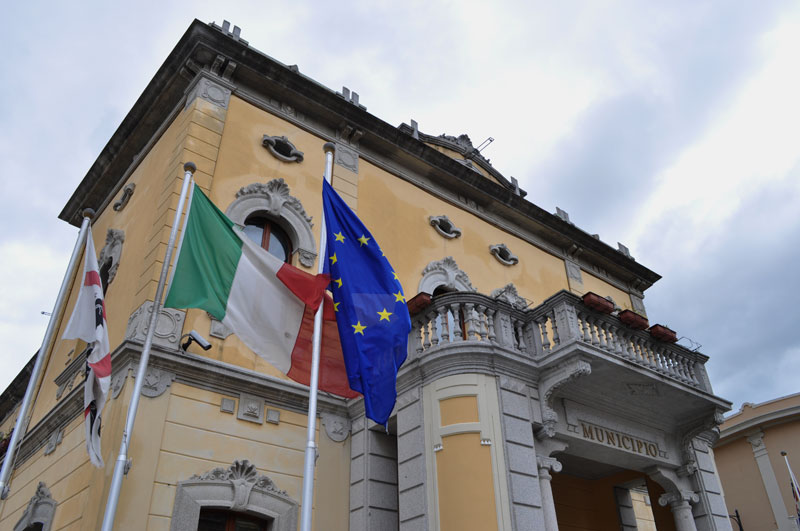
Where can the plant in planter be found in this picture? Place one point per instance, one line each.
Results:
(633, 319)
(598, 303)
(662, 333)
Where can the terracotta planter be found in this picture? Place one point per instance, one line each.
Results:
(633, 320)
(418, 302)
(662, 333)
(596, 302)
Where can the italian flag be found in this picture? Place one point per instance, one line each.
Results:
(269, 304)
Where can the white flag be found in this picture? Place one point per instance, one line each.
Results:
(88, 322)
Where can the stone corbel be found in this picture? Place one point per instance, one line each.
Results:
(706, 429)
(553, 379)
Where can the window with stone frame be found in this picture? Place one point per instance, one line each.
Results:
(269, 235)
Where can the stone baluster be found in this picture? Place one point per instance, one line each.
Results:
(416, 331)
(470, 330)
(680, 504)
(545, 466)
(593, 330)
(456, 309)
(602, 332)
(490, 313)
(436, 329)
(615, 346)
(542, 322)
(520, 335)
(445, 328)
(554, 326)
(587, 336)
(426, 339)
(483, 332)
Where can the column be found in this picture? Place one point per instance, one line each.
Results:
(546, 465)
(756, 440)
(680, 505)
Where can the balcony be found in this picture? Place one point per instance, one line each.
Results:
(541, 337)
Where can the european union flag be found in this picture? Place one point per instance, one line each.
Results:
(371, 311)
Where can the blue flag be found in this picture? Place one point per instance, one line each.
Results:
(371, 311)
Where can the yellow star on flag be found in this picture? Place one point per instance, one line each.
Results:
(398, 297)
(359, 328)
(338, 282)
(363, 239)
(395, 275)
(333, 259)
(339, 236)
(335, 306)
(384, 315)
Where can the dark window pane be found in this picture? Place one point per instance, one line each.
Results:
(254, 232)
(212, 520)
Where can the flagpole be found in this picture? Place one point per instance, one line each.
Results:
(795, 488)
(122, 464)
(311, 444)
(22, 417)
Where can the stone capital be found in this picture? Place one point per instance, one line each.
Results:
(678, 498)
(547, 465)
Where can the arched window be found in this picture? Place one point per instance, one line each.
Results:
(221, 520)
(269, 235)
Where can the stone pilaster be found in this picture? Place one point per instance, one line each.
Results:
(779, 512)
(411, 472)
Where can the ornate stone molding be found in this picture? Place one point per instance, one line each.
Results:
(551, 380)
(508, 293)
(503, 254)
(251, 408)
(444, 227)
(548, 464)
(282, 149)
(53, 441)
(239, 488)
(127, 193)
(40, 510)
(211, 90)
(111, 253)
(156, 382)
(274, 198)
(346, 157)
(444, 272)
(336, 427)
(168, 327)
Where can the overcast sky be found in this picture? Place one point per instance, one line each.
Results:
(671, 127)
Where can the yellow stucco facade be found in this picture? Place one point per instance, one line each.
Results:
(481, 416)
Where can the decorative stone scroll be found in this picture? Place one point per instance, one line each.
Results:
(111, 253)
(508, 293)
(239, 488)
(444, 227)
(504, 254)
(444, 272)
(550, 382)
(282, 149)
(127, 193)
(40, 510)
(274, 199)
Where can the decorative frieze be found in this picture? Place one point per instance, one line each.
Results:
(251, 408)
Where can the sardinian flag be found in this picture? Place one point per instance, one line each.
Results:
(88, 322)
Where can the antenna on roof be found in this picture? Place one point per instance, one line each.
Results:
(484, 144)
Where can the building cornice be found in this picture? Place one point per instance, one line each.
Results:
(256, 73)
(747, 427)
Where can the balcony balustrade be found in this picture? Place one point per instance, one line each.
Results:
(560, 323)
